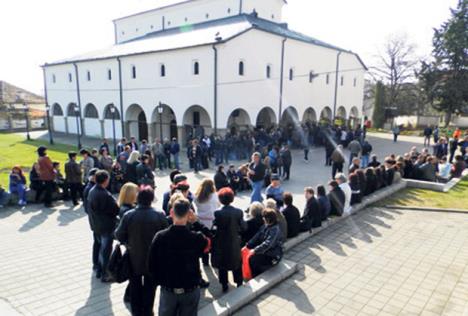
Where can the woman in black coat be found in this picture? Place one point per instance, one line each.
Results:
(254, 221)
(355, 189)
(371, 181)
(379, 178)
(228, 226)
(221, 179)
(131, 170)
(362, 182)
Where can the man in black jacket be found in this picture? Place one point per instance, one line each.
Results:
(136, 230)
(73, 177)
(291, 214)
(86, 190)
(104, 210)
(312, 216)
(174, 263)
(337, 198)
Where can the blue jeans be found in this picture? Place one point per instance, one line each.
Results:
(256, 192)
(105, 249)
(20, 190)
(171, 304)
(176, 160)
(364, 161)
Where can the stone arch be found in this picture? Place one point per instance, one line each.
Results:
(290, 117)
(71, 110)
(164, 125)
(136, 122)
(238, 120)
(310, 116)
(197, 122)
(341, 113)
(91, 111)
(57, 110)
(326, 115)
(266, 118)
(354, 113)
(111, 121)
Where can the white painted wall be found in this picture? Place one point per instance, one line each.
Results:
(59, 124)
(108, 132)
(92, 128)
(266, 9)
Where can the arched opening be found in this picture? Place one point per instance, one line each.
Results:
(239, 120)
(290, 117)
(93, 126)
(354, 117)
(137, 125)
(340, 117)
(111, 121)
(266, 118)
(71, 111)
(73, 120)
(197, 122)
(58, 121)
(57, 110)
(164, 124)
(326, 115)
(309, 116)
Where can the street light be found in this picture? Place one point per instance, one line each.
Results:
(77, 112)
(112, 109)
(20, 98)
(51, 140)
(160, 111)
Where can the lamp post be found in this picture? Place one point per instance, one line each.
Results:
(160, 111)
(20, 98)
(77, 112)
(51, 140)
(112, 109)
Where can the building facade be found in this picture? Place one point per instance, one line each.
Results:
(203, 66)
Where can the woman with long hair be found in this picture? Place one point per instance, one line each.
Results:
(127, 198)
(206, 201)
(18, 184)
(132, 163)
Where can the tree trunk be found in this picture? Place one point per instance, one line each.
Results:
(448, 116)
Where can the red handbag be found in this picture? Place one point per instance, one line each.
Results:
(246, 271)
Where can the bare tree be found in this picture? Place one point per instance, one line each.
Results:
(396, 66)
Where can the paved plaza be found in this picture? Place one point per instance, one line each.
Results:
(379, 261)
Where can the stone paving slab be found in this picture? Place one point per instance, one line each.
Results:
(378, 262)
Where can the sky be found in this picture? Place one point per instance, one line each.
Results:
(33, 32)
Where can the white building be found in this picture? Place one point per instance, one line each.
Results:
(213, 65)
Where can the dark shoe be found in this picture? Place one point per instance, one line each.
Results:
(225, 288)
(98, 274)
(106, 279)
(239, 284)
(75, 203)
(204, 284)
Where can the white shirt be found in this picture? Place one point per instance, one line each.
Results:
(347, 191)
(205, 210)
(343, 135)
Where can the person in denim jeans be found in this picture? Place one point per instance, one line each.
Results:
(175, 149)
(256, 175)
(18, 184)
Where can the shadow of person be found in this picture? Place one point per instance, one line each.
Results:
(98, 301)
(36, 219)
(66, 216)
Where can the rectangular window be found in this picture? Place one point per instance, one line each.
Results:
(109, 74)
(70, 78)
(88, 75)
(354, 82)
(133, 72)
(342, 80)
(54, 80)
(327, 79)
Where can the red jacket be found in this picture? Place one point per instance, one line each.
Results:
(46, 169)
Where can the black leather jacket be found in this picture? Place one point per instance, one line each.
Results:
(268, 241)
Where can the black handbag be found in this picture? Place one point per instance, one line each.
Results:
(119, 266)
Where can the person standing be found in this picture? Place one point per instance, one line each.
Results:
(121, 145)
(144, 173)
(174, 264)
(175, 149)
(136, 230)
(354, 149)
(337, 158)
(86, 163)
(194, 154)
(133, 144)
(46, 174)
(396, 131)
(427, 136)
(96, 242)
(73, 177)
(104, 210)
(228, 225)
(105, 161)
(257, 176)
(365, 153)
(286, 159)
(131, 169)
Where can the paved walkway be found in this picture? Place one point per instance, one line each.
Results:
(379, 262)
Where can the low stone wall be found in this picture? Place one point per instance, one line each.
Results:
(434, 186)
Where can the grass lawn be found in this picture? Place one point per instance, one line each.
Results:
(15, 150)
(457, 197)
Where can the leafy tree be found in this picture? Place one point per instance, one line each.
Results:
(379, 107)
(445, 79)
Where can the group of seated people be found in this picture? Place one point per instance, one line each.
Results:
(424, 166)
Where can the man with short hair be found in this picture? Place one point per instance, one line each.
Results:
(355, 165)
(312, 216)
(274, 190)
(73, 177)
(46, 174)
(121, 145)
(175, 149)
(337, 159)
(136, 230)
(86, 164)
(104, 210)
(354, 149)
(337, 198)
(427, 136)
(174, 263)
(96, 242)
